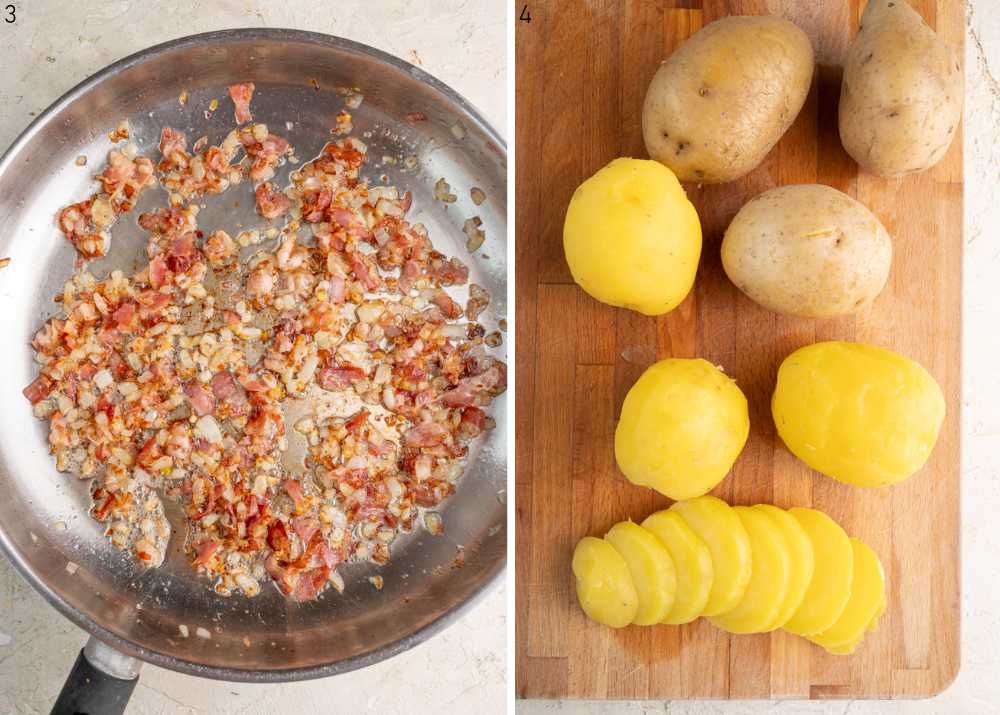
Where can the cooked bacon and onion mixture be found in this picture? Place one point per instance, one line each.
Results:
(175, 382)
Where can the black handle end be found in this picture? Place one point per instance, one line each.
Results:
(89, 691)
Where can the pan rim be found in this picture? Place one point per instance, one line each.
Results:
(85, 622)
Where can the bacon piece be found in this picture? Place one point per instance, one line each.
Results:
(305, 527)
(368, 278)
(448, 307)
(223, 385)
(339, 378)
(314, 203)
(472, 424)
(338, 289)
(124, 315)
(309, 583)
(428, 434)
(408, 275)
(183, 253)
(252, 383)
(354, 424)
(173, 145)
(157, 272)
(152, 303)
(241, 95)
(294, 490)
(270, 203)
(277, 539)
(202, 401)
(38, 390)
(206, 550)
(464, 393)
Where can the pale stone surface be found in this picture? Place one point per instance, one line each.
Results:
(976, 691)
(56, 44)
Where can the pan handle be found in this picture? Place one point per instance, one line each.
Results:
(101, 682)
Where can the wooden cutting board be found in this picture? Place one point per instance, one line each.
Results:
(582, 70)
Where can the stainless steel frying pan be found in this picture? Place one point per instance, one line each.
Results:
(136, 615)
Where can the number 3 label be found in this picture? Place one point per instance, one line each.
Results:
(10, 14)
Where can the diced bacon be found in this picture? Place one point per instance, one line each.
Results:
(428, 434)
(270, 203)
(363, 273)
(422, 466)
(152, 303)
(338, 289)
(274, 145)
(173, 145)
(309, 584)
(448, 307)
(339, 378)
(202, 401)
(355, 423)
(277, 538)
(157, 272)
(305, 527)
(253, 383)
(223, 385)
(183, 253)
(241, 95)
(206, 550)
(124, 315)
(294, 489)
(314, 203)
(449, 272)
(38, 390)
(465, 392)
(407, 276)
(472, 424)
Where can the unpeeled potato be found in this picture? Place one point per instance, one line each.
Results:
(632, 238)
(683, 424)
(603, 583)
(692, 562)
(651, 568)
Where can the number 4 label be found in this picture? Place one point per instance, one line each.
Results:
(525, 15)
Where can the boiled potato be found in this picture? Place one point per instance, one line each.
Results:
(860, 414)
(803, 563)
(827, 595)
(901, 97)
(727, 540)
(632, 238)
(692, 561)
(864, 606)
(603, 583)
(807, 250)
(682, 426)
(719, 103)
(651, 568)
(770, 577)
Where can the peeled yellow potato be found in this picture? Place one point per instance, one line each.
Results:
(827, 595)
(802, 561)
(632, 238)
(717, 524)
(866, 602)
(770, 576)
(682, 426)
(651, 568)
(603, 583)
(692, 562)
(860, 414)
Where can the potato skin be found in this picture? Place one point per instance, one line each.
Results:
(632, 238)
(807, 250)
(683, 423)
(724, 98)
(860, 414)
(901, 97)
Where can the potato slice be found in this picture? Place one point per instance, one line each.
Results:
(866, 601)
(770, 578)
(727, 540)
(830, 589)
(603, 583)
(651, 568)
(692, 561)
(803, 562)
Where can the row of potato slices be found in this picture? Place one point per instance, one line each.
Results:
(748, 569)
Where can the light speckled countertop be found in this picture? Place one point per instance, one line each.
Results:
(976, 691)
(57, 44)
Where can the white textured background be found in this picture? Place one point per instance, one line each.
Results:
(976, 691)
(55, 44)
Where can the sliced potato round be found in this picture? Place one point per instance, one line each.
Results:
(692, 561)
(727, 540)
(866, 601)
(603, 583)
(803, 562)
(770, 577)
(651, 568)
(830, 589)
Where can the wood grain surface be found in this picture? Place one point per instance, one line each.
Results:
(582, 70)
